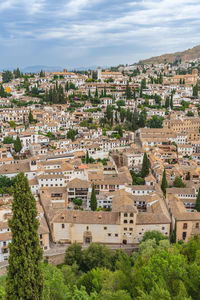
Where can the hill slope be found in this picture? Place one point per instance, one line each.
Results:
(186, 55)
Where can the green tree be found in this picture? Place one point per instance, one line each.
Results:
(164, 184)
(96, 256)
(93, 200)
(156, 235)
(54, 284)
(17, 145)
(42, 74)
(7, 76)
(30, 117)
(190, 114)
(195, 90)
(145, 166)
(24, 279)
(93, 280)
(17, 73)
(96, 93)
(178, 182)
(155, 122)
(87, 158)
(71, 134)
(173, 234)
(197, 204)
(128, 91)
(2, 91)
(167, 102)
(73, 255)
(171, 101)
(8, 140)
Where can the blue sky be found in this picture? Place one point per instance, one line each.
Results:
(73, 33)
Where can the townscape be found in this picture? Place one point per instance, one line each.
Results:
(109, 154)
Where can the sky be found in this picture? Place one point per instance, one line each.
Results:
(82, 33)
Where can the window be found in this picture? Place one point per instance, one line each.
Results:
(131, 215)
(63, 225)
(109, 234)
(125, 221)
(131, 221)
(40, 236)
(105, 228)
(184, 225)
(131, 229)
(116, 234)
(184, 235)
(125, 215)
(163, 228)
(197, 225)
(125, 229)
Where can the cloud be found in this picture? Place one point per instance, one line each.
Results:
(30, 6)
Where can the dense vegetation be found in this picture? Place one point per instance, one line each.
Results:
(159, 270)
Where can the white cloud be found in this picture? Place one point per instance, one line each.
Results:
(30, 6)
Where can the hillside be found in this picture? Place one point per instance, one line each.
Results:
(186, 55)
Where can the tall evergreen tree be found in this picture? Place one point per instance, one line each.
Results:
(17, 145)
(2, 91)
(171, 101)
(145, 166)
(30, 117)
(93, 200)
(104, 92)
(164, 183)
(7, 76)
(87, 158)
(42, 73)
(167, 102)
(197, 204)
(128, 91)
(24, 279)
(173, 235)
(96, 93)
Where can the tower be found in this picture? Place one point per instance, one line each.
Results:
(99, 73)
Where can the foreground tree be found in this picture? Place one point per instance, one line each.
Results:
(93, 200)
(24, 279)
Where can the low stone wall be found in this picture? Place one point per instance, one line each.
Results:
(55, 259)
(3, 270)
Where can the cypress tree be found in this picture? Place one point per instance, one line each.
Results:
(171, 102)
(30, 117)
(128, 91)
(87, 158)
(96, 93)
(145, 166)
(164, 183)
(167, 103)
(25, 278)
(197, 204)
(173, 235)
(93, 200)
(17, 145)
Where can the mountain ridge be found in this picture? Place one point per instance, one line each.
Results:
(186, 55)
